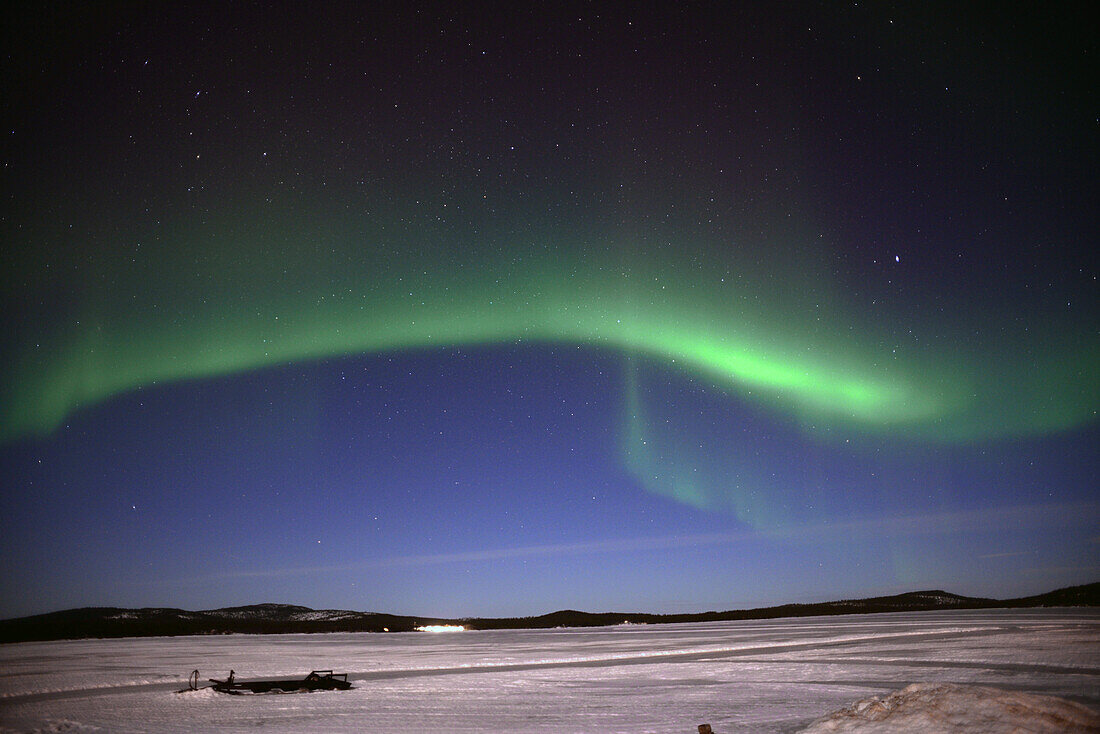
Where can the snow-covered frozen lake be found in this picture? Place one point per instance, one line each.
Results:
(754, 676)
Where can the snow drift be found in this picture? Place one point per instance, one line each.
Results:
(946, 707)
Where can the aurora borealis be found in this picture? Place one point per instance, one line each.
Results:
(492, 313)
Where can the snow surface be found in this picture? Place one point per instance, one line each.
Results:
(946, 707)
(767, 676)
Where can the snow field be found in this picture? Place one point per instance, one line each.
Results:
(755, 676)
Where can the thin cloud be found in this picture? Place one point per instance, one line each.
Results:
(498, 554)
(963, 521)
(946, 523)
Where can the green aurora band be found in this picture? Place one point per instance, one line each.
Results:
(777, 331)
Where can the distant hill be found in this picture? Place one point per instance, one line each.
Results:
(154, 622)
(913, 601)
(286, 618)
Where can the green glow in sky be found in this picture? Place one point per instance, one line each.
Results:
(774, 329)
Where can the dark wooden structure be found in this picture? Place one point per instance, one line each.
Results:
(317, 680)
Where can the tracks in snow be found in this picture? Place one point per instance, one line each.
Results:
(621, 659)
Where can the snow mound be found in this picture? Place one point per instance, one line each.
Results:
(946, 707)
(202, 694)
(63, 725)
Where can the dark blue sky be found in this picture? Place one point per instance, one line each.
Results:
(487, 312)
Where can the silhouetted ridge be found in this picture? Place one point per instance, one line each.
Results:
(283, 618)
(263, 609)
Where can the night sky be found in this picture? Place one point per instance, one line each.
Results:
(485, 311)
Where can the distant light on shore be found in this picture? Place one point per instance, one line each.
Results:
(441, 628)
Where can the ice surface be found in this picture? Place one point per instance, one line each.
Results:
(754, 676)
